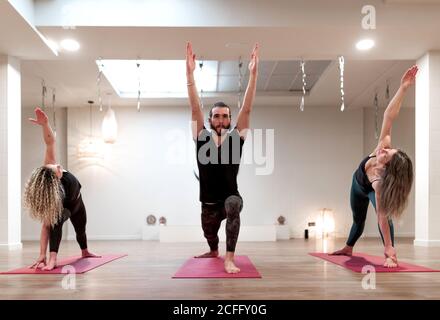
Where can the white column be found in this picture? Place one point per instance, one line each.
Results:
(10, 152)
(427, 171)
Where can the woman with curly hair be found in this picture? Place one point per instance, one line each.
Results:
(52, 196)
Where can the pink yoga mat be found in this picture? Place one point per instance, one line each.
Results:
(74, 265)
(214, 268)
(359, 260)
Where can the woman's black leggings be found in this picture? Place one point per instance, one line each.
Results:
(359, 200)
(214, 214)
(77, 215)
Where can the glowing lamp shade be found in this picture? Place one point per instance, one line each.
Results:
(109, 127)
(325, 223)
(90, 148)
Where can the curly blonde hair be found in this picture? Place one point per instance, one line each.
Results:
(44, 195)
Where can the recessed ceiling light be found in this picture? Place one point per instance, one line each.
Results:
(70, 45)
(365, 44)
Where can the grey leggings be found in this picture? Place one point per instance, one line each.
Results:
(214, 214)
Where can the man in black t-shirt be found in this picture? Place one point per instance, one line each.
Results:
(218, 155)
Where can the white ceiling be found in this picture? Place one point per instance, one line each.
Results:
(287, 30)
(227, 29)
(276, 43)
(20, 38)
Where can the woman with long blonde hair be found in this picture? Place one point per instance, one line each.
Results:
(52, 196)
(385, 178)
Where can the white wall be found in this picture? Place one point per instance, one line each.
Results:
(427, 193)
(315, 154)
(403, 137)
(32, 150)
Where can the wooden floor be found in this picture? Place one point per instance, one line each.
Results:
(288, 272)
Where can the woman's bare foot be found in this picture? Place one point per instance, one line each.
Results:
(230, 266)
(52, 264)
(86, 254)
(210, 254)
(390, 263)
(346, 251)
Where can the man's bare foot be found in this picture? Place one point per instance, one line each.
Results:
(230, 266)
(210, 254)
(86, 254)
(346, 251)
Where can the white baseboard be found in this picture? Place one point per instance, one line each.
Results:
(90, 237)
(30, 238)
(365, 235)
(108, 237)
(11, 246)
(150, 232)
(195, 233)
(396, 234)
(426, 243)
(283, 232)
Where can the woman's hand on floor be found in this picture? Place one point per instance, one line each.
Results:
(40, 263)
